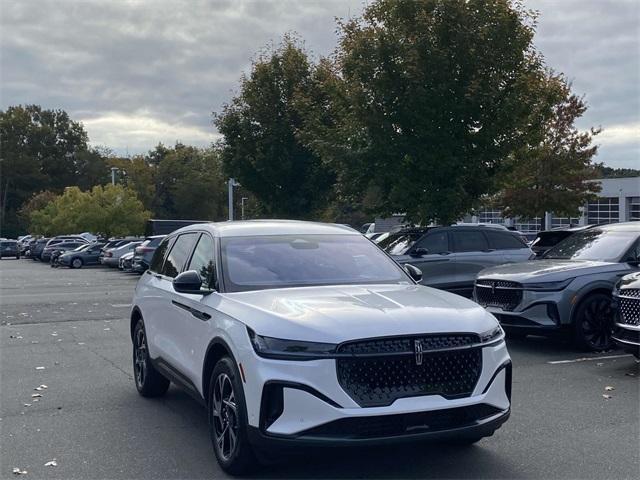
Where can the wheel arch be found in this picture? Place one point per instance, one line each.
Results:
(136, 315)
(581, 296)
(217, 349)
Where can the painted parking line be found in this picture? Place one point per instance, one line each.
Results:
(589, 359)
(121, 305)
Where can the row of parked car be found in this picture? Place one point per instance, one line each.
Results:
(75, 251)
(583, 281)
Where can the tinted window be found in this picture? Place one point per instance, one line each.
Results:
(280, 261)
(468, 241)
(154, 242)
(203, 261)
(179, 254)
(399, 243)
(158, 255)
(435, 242)
(503, 240)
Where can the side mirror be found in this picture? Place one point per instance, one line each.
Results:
(418, 252)
(414, 272)
(189, 282)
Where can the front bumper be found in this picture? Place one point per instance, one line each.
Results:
(313, 409)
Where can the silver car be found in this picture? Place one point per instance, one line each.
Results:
(568, 289)
(451, 257)
(112, 256)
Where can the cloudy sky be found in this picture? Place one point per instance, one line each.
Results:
(138, 73)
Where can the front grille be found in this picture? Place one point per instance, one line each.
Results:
(383, 370)
(630, 307)
(403, 424)
(498, 293)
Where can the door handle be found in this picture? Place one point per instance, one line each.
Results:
(193, 311)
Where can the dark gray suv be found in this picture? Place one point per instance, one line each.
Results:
(451, 257)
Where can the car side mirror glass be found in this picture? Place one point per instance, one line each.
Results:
(189, 282)
(418, 252)
(414, 272)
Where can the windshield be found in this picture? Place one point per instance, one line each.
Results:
(594, 244)
(80, 248)
(279, 261)
(399, 243)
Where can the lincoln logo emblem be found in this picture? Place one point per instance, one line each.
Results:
(418, 348)
(493, 288)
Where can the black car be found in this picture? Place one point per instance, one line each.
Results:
(547, 239)
(626, 303)
(83, 255)
(9, 248)
(144, 253)
(37, 248)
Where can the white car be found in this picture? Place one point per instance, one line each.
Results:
(298, 333)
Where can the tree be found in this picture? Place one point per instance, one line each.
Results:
(427, 98)
(553, 175)
(40, 150)
(109, 210)
(261, 126)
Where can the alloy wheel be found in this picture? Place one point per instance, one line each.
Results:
(596, 323)
(140, 358)
(77, 263)
(225, 416)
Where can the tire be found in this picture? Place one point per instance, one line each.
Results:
(593, 323)
(76, 263)
(149, 382)
(228, 417)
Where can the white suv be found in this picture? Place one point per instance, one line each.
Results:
(298, 333)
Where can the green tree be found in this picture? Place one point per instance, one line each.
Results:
(426, 99)
(553, 175)
(262, 147)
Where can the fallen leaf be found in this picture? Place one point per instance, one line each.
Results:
(599, 364)
(39, 368)
(52, 463)
(606, 397)
(630, 374)
(27, 404)
(54, 334)
(19, 471)
(35, 395)
(106, 329)
(609, 388)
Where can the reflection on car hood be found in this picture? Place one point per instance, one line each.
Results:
(631, 281)
(549, 270)
(335, 314)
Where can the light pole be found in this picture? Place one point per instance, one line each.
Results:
(113, 175)
(231, 183)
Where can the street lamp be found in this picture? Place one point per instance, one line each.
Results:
(113, 175)
(242, 200)
(231, 183)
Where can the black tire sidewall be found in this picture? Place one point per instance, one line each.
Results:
(155, 384)
(74, 260)
(243, 459)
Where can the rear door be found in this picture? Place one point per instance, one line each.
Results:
(471, 254)
(436, 263)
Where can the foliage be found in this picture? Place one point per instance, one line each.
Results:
(109, 210)
(262, 148)
(552, 176)
(602, 171)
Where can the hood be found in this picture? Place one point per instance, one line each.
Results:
(335, 314)
(548, 270)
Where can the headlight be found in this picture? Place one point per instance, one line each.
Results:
(282, 349)
(548, 286)
(494, 335)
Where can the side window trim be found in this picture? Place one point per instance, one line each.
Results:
(214, 242)
(170, 242)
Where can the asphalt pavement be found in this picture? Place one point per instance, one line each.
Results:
(68, 330)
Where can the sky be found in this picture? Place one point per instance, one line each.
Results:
(137, 73)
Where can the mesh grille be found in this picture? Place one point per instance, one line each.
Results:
(372, 380)
(498, 293)
(394, 425)
(629, 309)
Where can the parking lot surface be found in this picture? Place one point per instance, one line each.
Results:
(68, 330)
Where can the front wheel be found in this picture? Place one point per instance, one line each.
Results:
(228, 420)
(593, 323)
(76, 263)
(149, 382)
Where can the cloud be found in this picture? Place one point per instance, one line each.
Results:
(162, 67)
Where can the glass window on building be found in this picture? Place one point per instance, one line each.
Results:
(488, 215)
(529, 226)
(634, 208)
(564, 222)
(603, 210)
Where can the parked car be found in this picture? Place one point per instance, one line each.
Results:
(37, 248)
(112, 256)
(305, 333)
(144, 253)
(569, 288)
(125, 262)
(59, 247)
(84, 255)
(626, 304)
(23, 243)
(547, 239)
(451, 257)
(113, 243)
(9, 248)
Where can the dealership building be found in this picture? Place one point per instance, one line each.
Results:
(618, 201)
